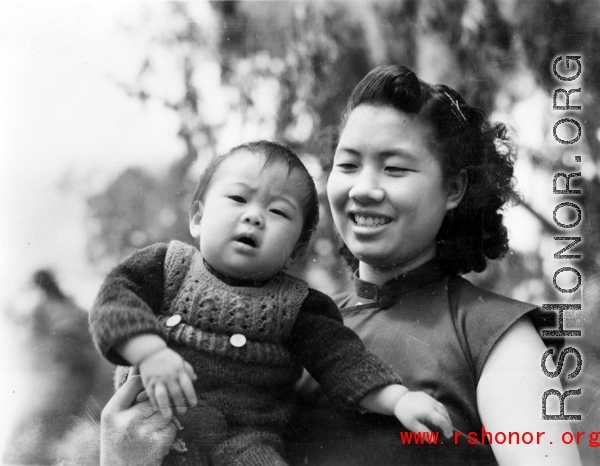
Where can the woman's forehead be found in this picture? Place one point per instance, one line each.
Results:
(385, 131)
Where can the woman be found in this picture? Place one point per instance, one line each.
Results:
(417, 184)
(136, 433)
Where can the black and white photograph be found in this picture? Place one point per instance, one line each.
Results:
(300, 233)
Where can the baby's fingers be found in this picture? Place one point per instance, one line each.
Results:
(442, 421)
(447, 426)
(188, 389)
(177, 398)
(416, 426)
(190, 371)
(161, 397)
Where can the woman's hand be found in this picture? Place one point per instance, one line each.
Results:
(134, 434)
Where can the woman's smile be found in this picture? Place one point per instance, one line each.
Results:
(365, 219)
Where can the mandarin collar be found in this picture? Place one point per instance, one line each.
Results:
(413, 279)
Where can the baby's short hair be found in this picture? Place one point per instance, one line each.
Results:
(274, 153)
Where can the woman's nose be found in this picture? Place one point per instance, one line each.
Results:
(366, 189)
(253, 217)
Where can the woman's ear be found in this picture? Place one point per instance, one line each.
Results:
(456, 186)
(195, 219)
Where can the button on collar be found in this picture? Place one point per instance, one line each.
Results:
(386, 302)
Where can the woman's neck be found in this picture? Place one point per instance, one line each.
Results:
(380, 276)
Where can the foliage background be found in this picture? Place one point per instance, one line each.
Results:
(110, 111)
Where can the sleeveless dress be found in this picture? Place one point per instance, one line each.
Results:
(435, 331)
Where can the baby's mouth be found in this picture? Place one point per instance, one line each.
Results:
(247, 240)
(369, 220)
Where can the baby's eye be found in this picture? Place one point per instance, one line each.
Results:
(239, 199)
(345, 166)
(279, 212)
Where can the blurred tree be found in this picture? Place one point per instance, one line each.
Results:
(138, 208)
(282, 81)
(466, 44)
(549, 30)
(285, 70)
(542, 31)
(233, 71)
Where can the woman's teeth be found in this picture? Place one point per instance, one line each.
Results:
(364, 221)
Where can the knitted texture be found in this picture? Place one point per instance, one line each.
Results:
(247, 385)
(255, 352)
(265, 313)
(124, 306)
(249, 389)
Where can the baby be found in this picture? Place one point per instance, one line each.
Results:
(223, 331)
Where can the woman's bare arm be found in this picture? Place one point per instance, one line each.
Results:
(509, 399)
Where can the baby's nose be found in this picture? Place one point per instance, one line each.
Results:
(253, 217)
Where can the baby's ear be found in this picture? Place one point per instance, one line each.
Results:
(195, 219)
(289, 263)
(298, 251)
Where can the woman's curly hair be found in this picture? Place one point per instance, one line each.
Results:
(463, 139)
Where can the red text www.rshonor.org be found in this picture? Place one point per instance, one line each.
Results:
(592, 439)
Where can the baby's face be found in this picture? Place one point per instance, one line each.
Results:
(251, 217)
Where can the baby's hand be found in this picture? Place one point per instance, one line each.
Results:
(416, 408)
(168, 380)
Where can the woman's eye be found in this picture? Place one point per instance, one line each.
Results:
(279, 212)
(239, 199)
(396, 170)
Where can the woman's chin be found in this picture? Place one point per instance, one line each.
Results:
(375, 261)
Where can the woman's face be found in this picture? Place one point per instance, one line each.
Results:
(387, 191)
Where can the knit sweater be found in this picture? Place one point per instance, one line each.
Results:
(286, 325)
(211, 310)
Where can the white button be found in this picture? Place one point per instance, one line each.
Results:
(173, 320)
(238, 340)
